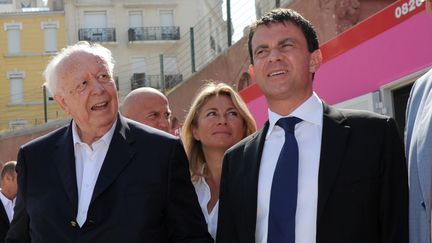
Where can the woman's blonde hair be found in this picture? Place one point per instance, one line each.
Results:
(192, 146)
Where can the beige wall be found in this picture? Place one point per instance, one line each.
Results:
(186, 13)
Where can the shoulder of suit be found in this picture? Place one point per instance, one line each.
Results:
(242, 143)
(47, 139)
(360, 118)
(144, 130)
(422, 86)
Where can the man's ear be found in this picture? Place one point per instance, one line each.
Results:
(62, 103)
(252, 73)
(315, 61)
(10, 177)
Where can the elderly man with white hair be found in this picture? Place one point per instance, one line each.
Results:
(103, 178)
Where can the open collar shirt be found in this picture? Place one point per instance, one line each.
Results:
(88, 163)
(8, 206)
(308, 135)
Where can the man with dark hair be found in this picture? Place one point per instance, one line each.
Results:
(314, 173)
(8, 193)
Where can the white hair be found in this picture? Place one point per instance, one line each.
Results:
(51, 74)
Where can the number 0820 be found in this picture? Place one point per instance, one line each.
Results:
(407, 7)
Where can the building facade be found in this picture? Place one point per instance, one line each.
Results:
(330, 17)
(31, 34)
(150, 40)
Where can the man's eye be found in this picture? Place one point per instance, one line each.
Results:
(103, 77)
(260, 53)
(286, 45)
(80, 88)
(152, 116)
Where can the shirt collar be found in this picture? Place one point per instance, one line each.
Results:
(6, 200)
(106, 138)
(310, 111)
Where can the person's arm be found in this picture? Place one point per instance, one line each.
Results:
(19, 228)
(185, 220)
(394, 188)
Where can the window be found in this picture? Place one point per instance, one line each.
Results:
(26, 4)
(50, 36)
(116, 81)
(19, 123)
(212, 43)
(170, 65)
(16, 86)
(95, 19)
(166, 18)
(138, 65)
(135, 19)
(13, 37)
(135, 32)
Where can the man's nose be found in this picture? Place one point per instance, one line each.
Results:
(164, 123)
(97, 87)
(274, 55)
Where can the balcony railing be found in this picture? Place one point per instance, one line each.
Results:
(154, 33)
(138, 80)
(97, 34)
(143, 80)
(172, 80)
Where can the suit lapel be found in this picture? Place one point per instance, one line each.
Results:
(64, 157)
(333, 142)
(118, 156)
(252, 160)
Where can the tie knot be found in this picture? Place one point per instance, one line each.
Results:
(288, 123)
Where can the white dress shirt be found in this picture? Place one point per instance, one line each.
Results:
(203, 192)
(88, 163)
(308, 134)
(8, 206)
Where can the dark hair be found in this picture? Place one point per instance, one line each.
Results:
(283, 15)
(8, 168)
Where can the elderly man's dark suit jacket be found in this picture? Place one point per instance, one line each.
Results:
(362, 182)
(4, 223)
(143, 192)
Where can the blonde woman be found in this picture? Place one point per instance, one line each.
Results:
(217, 119)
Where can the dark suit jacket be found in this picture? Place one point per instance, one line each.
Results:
(362, 182)
(4, 223)
(143, 192)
